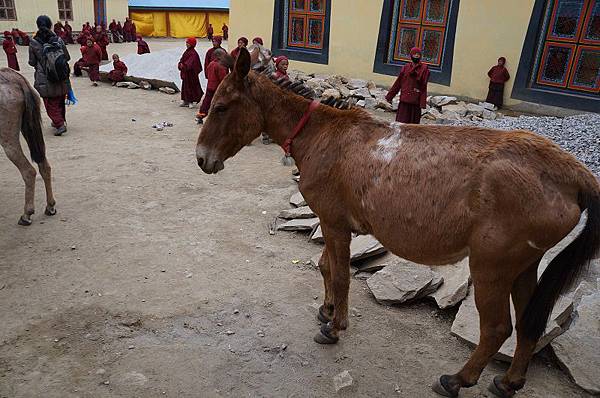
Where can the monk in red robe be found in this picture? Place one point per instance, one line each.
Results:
(190, 67)
(101, 38)
(242, 42)
(15, 36)
(127, 30)
(119, 72)
(498, 77)
(120, 30)
(11, 50)
(216, 42)
(87, 27)
(210, 32)
(216, 73)
(281, 64)
(412, 85)
(91, 58)
(68, 33)
(59, 30)
(225, 30)
(114, 34)
(143, 47)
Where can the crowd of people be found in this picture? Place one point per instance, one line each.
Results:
(411, 83)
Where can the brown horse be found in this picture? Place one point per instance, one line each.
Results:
(430, 194)
(20, 110)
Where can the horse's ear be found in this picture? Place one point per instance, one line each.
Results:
(242, 64)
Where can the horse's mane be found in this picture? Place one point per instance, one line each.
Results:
(298, 87)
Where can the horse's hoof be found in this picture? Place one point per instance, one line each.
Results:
(442, 387)
(24, 222)
(325, 337)
(499, 389)
(50, 211)
(322, 316)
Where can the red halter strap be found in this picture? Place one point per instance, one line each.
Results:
(287, 145)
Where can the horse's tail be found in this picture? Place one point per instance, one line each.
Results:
(563, 270)
(31, 122)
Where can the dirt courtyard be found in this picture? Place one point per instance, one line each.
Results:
(156, 280)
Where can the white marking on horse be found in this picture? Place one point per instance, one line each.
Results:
(387, 147)
(532, 244)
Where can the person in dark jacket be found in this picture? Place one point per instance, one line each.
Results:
(53, 93)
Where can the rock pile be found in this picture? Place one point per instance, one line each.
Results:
(573, 330)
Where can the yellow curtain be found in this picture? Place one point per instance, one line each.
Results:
(150, 24)
(188, 24)
(217, 19)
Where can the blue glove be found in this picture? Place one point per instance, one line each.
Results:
(71, 100)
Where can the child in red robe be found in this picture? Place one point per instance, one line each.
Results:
(91, 57)
(281, 63)
(119, 72)
(209, 57)
(143, 47)
(189, 69)
(498, 76)
(412, 85)
(216, 73)
(11, 50)
(225, 30)
(68, 33)
(242, 42)
(101, 38)
(210, 32)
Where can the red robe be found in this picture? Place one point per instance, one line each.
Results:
(91, 57)
(209, 58)
(102, 40)
(235, 53)
(68, 34)
(498, 76)
(216, 74)
(119, 72)
(11, 53)
(190, 67)
(24, 37)
(412, 85)
(59, 30)
(127, 31)
(225, 32)
(210, 33)
(279, 74)
(143, 47)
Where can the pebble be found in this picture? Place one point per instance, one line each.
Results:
(229, 332)
(236, 311)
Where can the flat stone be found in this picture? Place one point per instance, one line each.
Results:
(488, 106)
(376, 263)
(331, 92)
(489, 115)
(297, 200)
(364, 246)
(317, 236)
(370, 103)
(475, 109)
(361, 93)
(398, 283)
(344, 91)
(342, 381)
(371, 85)
(301, 224)
(354, 84)
(578, 349)
(459, 109)
(441, 100)
(298, 212)
(449, 115)
(361, 103)
(167, 90)
(318, 83)
(456, 284)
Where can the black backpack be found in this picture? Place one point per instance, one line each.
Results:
(55, 62)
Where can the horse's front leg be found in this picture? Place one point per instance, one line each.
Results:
(325, 314)
(337, 243)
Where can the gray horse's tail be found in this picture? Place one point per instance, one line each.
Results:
(31, 121)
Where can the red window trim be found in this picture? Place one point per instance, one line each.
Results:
(544, 60)
(422, 40)
(550, 36)
(418, 20)
(397, 55)
(431, 23)
(290, 29)
(307, 30)
(586, 23)
(573, 71)
(306, 15)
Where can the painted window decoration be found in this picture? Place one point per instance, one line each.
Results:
(65, 10)
(570, 56)
(305, 23)
(419, 23)
(7, 10)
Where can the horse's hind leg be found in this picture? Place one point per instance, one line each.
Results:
(46, 172)
(514, 380)
(492, 291)
(15, 154)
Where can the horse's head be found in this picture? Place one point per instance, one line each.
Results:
(234, 120)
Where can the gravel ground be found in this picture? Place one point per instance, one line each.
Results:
(579, 134)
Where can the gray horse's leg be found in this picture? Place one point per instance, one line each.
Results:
(15, 154)
(46, 172)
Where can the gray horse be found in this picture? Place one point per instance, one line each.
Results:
(20, 110)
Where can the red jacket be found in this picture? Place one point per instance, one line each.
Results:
(499, 74)
(101, 38)
(412, 85)
(216, 73)
(120, 66)
(91, 55)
